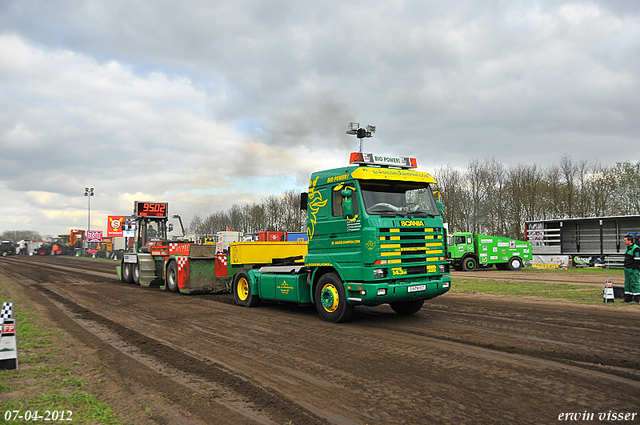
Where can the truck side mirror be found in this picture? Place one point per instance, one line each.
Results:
(304, 200)
(347, 203)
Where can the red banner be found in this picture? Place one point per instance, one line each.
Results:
(115, 224)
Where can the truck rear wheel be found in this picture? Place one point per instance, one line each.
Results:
(469, 264)
(331, 300)
(406, 308)
(125, 270)
(242, 291)
(515, 263)
(172, 277)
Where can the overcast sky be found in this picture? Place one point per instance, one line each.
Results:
(208, 103)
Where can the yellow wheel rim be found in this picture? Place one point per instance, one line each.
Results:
(242, 288)
(329, 298)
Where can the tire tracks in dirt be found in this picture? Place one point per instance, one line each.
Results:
(475, 335)
(189, 370)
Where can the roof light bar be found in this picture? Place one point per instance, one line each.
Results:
(387, 161)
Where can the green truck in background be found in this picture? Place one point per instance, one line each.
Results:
(467, 251)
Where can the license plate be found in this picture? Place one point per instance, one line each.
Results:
(417, 288)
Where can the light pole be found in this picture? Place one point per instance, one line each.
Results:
(88, 192)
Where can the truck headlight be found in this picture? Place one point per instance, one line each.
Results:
(379, 273)
(382, 291)
(443, 268)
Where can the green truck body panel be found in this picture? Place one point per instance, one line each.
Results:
(487, 250)
(281, 287)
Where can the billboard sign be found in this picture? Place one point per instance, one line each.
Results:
(129, 226)
(115, 224)
(94, 236)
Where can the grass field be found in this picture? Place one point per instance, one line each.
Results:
(45, 386)
(584, 294)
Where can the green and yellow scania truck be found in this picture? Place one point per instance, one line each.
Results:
(375, 235)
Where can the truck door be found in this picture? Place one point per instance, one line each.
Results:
(345, 230)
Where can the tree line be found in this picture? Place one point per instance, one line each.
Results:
(490, 198)
(18, 235)
(274, 213)
(487, 197)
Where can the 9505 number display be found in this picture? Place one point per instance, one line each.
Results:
(35, 415)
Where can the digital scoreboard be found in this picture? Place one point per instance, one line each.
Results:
(151, 209)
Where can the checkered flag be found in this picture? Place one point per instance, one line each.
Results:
(7, 311)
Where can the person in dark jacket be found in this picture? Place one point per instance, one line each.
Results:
(631, 271)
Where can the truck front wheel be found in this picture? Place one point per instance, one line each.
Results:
(469, 264)
(331, 300)
(406, 308)
(242, 291)
(172, 277)
(515, 263)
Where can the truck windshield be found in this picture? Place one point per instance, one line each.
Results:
(391, 199)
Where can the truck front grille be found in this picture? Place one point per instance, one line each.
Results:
(413, 249)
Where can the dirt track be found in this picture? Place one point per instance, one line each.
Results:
(461, 359)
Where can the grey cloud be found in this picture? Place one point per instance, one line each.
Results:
(160, 85)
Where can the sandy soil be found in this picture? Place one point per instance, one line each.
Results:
(461, 359)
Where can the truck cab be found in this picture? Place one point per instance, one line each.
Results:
(375, 235)
(461, 251)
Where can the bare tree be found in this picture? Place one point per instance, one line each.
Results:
(628, 189)
(452, 189)
(487, 197)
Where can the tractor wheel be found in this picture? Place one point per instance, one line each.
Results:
(42, 251)
(515, 263)
(135, 268)
(125, 271)
(331, 300)
(406, 308)
(469, 264)
(172, 277)
(242, 291)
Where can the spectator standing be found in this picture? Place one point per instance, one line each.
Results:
(631, 271)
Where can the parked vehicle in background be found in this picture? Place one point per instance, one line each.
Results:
(467, 251)
(7, 247)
